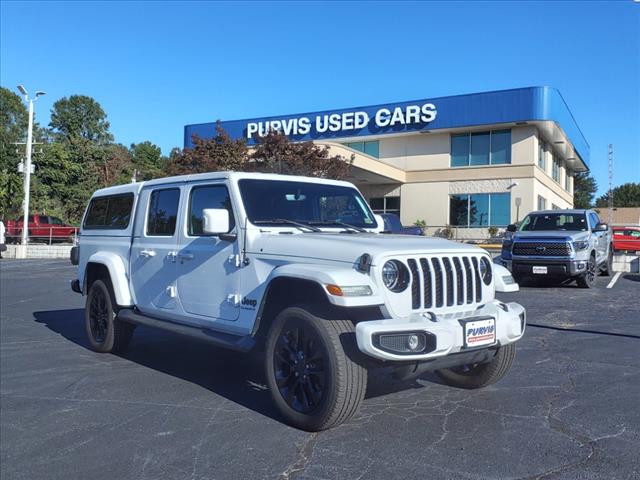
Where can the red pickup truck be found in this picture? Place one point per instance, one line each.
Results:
(42, 228)
(626, 238)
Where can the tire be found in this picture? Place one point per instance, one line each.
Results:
(480, 375)
(105, 333)
(607, 266)
(328, 390)
(588, 279)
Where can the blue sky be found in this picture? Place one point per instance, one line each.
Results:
(156, 66)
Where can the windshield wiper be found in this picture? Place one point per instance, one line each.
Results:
(337, 222)
(286, 221)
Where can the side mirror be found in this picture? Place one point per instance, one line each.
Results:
(601, 227)
(512, 228)
(215, 221)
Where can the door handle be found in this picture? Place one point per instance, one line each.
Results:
(186, 256)
(148, 253)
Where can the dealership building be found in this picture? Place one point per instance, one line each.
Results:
(466, 161)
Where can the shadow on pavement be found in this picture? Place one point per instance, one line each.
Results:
(237, 377)
(581, 330)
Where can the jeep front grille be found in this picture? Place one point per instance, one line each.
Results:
(542, 249)
(438, 282)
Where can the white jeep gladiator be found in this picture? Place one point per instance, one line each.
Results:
(292, 268)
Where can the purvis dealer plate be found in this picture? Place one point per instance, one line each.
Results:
(478, 333)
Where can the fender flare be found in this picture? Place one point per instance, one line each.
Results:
(119, 280)
(500, 274)
(324, 275)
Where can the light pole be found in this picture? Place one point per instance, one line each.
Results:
(27, 164)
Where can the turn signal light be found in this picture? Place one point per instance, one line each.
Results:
(349, 291)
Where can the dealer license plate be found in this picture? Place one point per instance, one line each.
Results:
(478, 333)
(540, 270)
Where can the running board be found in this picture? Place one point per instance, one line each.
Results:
(219, 339)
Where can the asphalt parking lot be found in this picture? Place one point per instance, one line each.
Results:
(172, 408)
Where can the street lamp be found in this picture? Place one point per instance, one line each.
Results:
(27, 166)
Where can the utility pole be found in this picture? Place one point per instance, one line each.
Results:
(27, 166)
(610, 199)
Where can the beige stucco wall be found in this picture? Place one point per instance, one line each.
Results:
(432, 151)
(523, 145)
(417, 152)
(425, 201)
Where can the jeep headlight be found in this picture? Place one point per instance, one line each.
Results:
(485, 270)
(581, 245)
(395, 276)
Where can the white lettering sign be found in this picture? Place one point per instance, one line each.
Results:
(346, 121)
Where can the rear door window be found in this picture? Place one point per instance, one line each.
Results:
(163, 212)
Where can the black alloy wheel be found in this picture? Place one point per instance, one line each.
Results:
(300, 368)
(106, 333)
(479, 375)
(588, 279)
(312, 369)
(590, 276)
(99, 316)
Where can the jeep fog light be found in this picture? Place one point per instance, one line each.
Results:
(350, 291)
(401, 343)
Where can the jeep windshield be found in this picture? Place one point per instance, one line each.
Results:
(572, 222)
(286, 203)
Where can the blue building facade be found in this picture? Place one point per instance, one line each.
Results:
(457, 147)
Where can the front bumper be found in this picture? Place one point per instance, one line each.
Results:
(555, 267)
(446, 330)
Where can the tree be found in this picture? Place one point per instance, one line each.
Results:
(80, 131)
(276, 154)
(14, 119)
(78, 118)
(147, 160)
(625, 195)
(215, 154)
(584, 190)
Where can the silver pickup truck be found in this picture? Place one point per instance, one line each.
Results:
(559, 243)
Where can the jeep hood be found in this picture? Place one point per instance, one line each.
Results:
(346, 247)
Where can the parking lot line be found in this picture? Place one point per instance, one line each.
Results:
(614, 280)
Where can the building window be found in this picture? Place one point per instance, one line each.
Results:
(542, 161)
(567, 181)
(480, 210)
(370, 148)
(460, 150)
(542, 203)
(555, 172)
(385, 205)
(481, 148)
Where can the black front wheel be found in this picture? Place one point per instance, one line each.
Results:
(607, 266)
(311, 369)
(588, 279)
